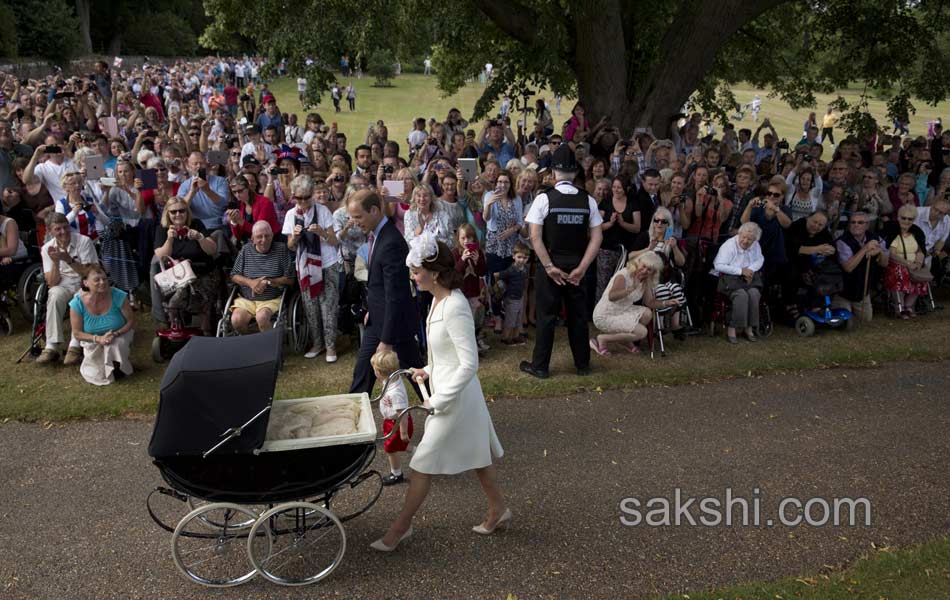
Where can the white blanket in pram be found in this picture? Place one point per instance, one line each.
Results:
(316, 418)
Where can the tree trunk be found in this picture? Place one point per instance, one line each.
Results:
(600, 62)
(82, 11)
(115, 44)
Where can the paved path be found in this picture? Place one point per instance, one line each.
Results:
(73, 522)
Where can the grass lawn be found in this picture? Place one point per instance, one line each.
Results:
(416, 96)
(917, 572)
(34, 392)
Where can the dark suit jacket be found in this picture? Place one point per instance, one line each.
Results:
(392, 311)
(643, 203)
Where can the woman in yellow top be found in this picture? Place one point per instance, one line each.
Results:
(906, 245)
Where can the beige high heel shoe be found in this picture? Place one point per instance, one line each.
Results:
(482, 530)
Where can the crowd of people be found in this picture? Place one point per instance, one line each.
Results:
(118, 174)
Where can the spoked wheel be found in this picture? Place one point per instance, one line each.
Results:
(299, 327)
(236, 523)
(216, 558)
(354, 498)
(30, 281)
(765, 322)
(308, 543)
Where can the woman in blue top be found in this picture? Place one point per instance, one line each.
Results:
(101, 320)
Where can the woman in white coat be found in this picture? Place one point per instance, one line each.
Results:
(459, 436)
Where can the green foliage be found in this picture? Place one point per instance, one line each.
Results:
(382, 66)
(8, 36)
(46, 29)
(162, 34)
(794, 49)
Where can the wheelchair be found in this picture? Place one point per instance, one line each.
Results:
(291, 316)
(720, 313)
(32, 297)
(18, 284)
(663, 318)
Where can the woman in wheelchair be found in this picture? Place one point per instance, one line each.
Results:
(179, 238)
(906, 278)
(12, 247)
(101, 320)
(659, 238)
(737, 264)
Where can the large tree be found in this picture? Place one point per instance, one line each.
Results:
(635, 61)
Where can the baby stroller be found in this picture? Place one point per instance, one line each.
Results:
(823, 281)
(259, 505)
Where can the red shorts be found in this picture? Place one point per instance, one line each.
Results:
(396, 443)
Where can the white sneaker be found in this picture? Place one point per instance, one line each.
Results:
(312, 353)
(331, 356)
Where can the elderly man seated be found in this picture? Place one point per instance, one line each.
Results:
(65, 259)
(262, 269)
(934, 221)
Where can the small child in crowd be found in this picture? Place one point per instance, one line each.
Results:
(394, 400)
(470, 262)
(515, 279)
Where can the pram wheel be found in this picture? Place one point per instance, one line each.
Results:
(194, 503)
(308, 543)
(805, 326)
(218, 558)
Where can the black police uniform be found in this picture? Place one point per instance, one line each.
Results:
(565, 235)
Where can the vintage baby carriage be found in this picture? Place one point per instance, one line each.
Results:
(259, 505)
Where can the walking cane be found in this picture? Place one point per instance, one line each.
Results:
(865, 301)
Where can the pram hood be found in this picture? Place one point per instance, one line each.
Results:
(212, 385)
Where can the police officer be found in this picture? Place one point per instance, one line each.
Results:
(566, 235)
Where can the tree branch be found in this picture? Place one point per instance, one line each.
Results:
(512, 17)
(695, 35)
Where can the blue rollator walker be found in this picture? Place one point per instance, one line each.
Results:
(823, 281)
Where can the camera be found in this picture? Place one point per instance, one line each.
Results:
(388, 169)
(54, 150)
(806, 158)
(203, 174)
(279, 171)
(339, 179)
(711, 191)
(782, 145)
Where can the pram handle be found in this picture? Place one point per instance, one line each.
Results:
(233, 432)
(395, 374)
(405, 411)
(398, 420)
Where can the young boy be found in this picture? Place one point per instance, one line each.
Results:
(515, 279)
(394, 400)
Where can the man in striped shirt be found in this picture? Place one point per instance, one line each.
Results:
(262, 269)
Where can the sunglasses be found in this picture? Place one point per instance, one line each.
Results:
(859, 222)
(663, 221)
(774, 194)
(302, 198)
(177, 211)
(906, 218)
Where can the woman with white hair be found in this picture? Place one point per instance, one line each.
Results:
(738, 263)
(618, 315)
(310, 233)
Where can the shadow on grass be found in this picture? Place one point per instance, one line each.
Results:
(32, 392)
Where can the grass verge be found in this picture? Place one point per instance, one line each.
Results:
(917, 572)
(32, 392)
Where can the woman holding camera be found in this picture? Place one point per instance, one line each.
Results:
(674, 199)
(336, 184)
(803, 189)
(247, 208)
(180, 238)
(279, 176)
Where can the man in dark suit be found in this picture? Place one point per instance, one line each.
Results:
(647, 198)
(391, 319)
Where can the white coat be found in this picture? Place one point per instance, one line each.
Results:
(460, 435)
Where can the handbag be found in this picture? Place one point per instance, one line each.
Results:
(921, 275)
(175, 278)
